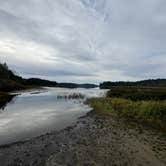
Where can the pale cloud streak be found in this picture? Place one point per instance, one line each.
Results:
(84, 40)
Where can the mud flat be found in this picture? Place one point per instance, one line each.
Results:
(93, 141)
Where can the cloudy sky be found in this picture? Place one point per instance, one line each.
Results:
(84, 40)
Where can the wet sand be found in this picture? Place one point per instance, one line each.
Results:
(93, 141)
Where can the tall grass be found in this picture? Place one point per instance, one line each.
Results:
(152, 112)
(138, 93)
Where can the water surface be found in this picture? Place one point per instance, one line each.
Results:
(36, 112)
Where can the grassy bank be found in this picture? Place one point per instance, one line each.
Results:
(152, 112)
(141, 104)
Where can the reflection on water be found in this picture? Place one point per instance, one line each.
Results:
(4, 103)
(32, 113)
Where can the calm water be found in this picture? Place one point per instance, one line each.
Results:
(36, 112)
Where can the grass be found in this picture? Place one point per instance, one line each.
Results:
(140, 104)
(138, 93)
(152, 112)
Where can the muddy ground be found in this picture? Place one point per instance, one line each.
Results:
(93, 141)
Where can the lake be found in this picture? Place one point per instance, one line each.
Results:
(35, 112)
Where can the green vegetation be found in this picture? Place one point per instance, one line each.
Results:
(143, 83)
(7, 85)
(40, 82)
(143, 104)
(9, 81)
(5, 73)
(74, 85)
(138, 93)
(152, 112)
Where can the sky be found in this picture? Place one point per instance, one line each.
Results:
(84, 40)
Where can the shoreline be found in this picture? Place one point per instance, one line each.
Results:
(8, 145)
(93, 140)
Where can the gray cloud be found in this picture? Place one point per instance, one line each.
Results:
(84, 40)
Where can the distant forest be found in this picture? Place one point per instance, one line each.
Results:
(143, 83)
(10, 81)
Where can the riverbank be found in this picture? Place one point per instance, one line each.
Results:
(109, 135)
(94, 140)
(5, 98)
(142, 104)
(151, 112)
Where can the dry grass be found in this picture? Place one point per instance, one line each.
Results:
(152, 112)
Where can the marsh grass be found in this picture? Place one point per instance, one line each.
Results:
(152, 112)
(138, 93)
(71, 96)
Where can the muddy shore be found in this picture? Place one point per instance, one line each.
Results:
(93, 141)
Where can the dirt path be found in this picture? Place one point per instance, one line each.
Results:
(93, 141)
